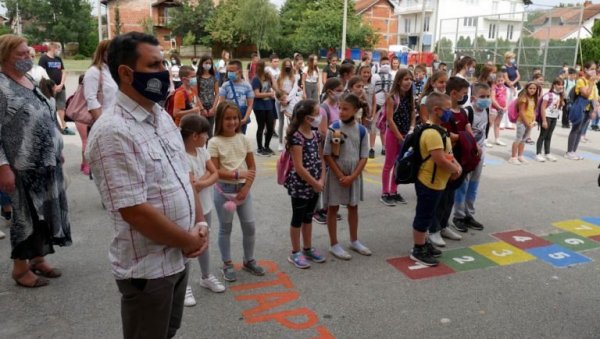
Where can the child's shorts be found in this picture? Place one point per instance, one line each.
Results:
(522, 132)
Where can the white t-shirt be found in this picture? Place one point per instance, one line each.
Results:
(198, 167)
(275, 72)
(313, 78)
(553, 102)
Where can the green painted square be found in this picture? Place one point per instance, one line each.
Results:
(465, 259)
(572, 241)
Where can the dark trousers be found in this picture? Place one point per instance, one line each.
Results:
(152, 308)
(427, 203)
(303, 209)
(443, 210)
(546, 136)
(565, 116)
(264, 118)
(576, 133)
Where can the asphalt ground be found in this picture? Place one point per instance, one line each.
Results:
(363, 297)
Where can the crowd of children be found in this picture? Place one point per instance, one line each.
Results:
(333, 117)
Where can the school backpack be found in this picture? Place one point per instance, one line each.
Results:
(538, 107)
(513, 111)
(465, 150)
(382, 118)
(362, 130)
(170, 101)
(409, 161)
(285, 164)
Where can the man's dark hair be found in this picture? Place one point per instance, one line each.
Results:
(442, 64)
(572, 70)
(346, 69)
(456, 84)
(254, 54)
(236, 63)
(274, 56)
(123, 51)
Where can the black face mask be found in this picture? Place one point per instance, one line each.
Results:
(288, 69)
(349, 121)
(154, 86)
(463, 100)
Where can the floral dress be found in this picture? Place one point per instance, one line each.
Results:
(30, 142)
(296, 186)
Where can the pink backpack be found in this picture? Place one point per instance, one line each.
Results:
(76, 108)
(285, 164)
(382, 118)
(513, 111)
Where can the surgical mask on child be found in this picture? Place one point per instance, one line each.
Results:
(231, 76)
(207, 67)
(446, 116)
(483, 103)
(316, 121)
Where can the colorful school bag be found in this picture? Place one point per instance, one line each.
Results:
(409, 161)
(285, 164)
(513, 111)
(538, 107)
(382, 118)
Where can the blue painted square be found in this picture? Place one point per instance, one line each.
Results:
(590, 156)
(592, 220)
(489, 161)
(558, 256)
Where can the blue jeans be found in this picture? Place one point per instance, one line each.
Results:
(5, 199)
(246, 217)
(427, 202)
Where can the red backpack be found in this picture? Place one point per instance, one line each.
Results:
(465, 150)
(170, 102)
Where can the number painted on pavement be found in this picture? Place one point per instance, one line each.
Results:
(574, 241)
(522, 239)
(503, 253)
(464, 259)
(558, 255)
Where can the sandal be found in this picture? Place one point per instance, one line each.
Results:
(51, 273)
(39, 282)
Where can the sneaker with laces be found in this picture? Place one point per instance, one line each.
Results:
(448, 233)
(359, 248)
(432, 249)
(269, 151)
(488, 144)
(474, 224)
(313, 255)
(261, 152)
(299, 260)
(551, 158)
(339, 252)
(371, 154)
(436, 239)
(212, 283)
(387, 200)
(514, 161)
(571, 156)
(189, 300)
(500, 143)
(422, 256)
(228, 273)
(319, 217)
(540, 158)
(522, 160)
(252, 267)
(460, 225)
(399, 199)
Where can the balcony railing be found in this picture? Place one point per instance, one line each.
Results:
(415, 6)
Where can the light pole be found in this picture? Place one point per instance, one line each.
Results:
(99, 6)
(344, 23)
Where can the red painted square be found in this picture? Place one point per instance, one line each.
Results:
(596, 238)
(417, 271)
(522, 239)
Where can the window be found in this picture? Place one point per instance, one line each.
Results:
(470, 22)
(509, 32)
(492, 31)
(407, 24)
(426, 23)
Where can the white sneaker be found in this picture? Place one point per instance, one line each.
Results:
(584, 140)
(2, 235)
(571, 156)
(213, 284)
(514, 161)
(189, 300)
(550, 157)
(339, 252)
(488, 144)
(358, 247)
(280, 147)
(448, 233)
(500, 143)
(436, 239)
(540, 158)
(522, 160)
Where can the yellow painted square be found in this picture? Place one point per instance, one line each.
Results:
(579, 227)
(502, 253)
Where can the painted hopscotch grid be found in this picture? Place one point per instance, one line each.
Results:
(516, 246)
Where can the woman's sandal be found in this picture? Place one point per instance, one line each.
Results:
(39, 282)
(52, 273)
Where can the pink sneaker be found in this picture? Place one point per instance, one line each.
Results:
(85, 168)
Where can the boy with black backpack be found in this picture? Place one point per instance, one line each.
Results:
(437, 167)
(465, 149)
(466, 194)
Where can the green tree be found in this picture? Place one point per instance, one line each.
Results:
(193, 16)
(118, 23)
(258, 20)
(220, 26)
(290, 14)
(55, 20)
(148, 25)
(443, 49)
(321, 27)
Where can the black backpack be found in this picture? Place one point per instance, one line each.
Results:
(409, 159)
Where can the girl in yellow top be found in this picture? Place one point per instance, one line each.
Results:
(527, 101)
(585, 88)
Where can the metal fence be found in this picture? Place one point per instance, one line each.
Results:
(544, 39)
